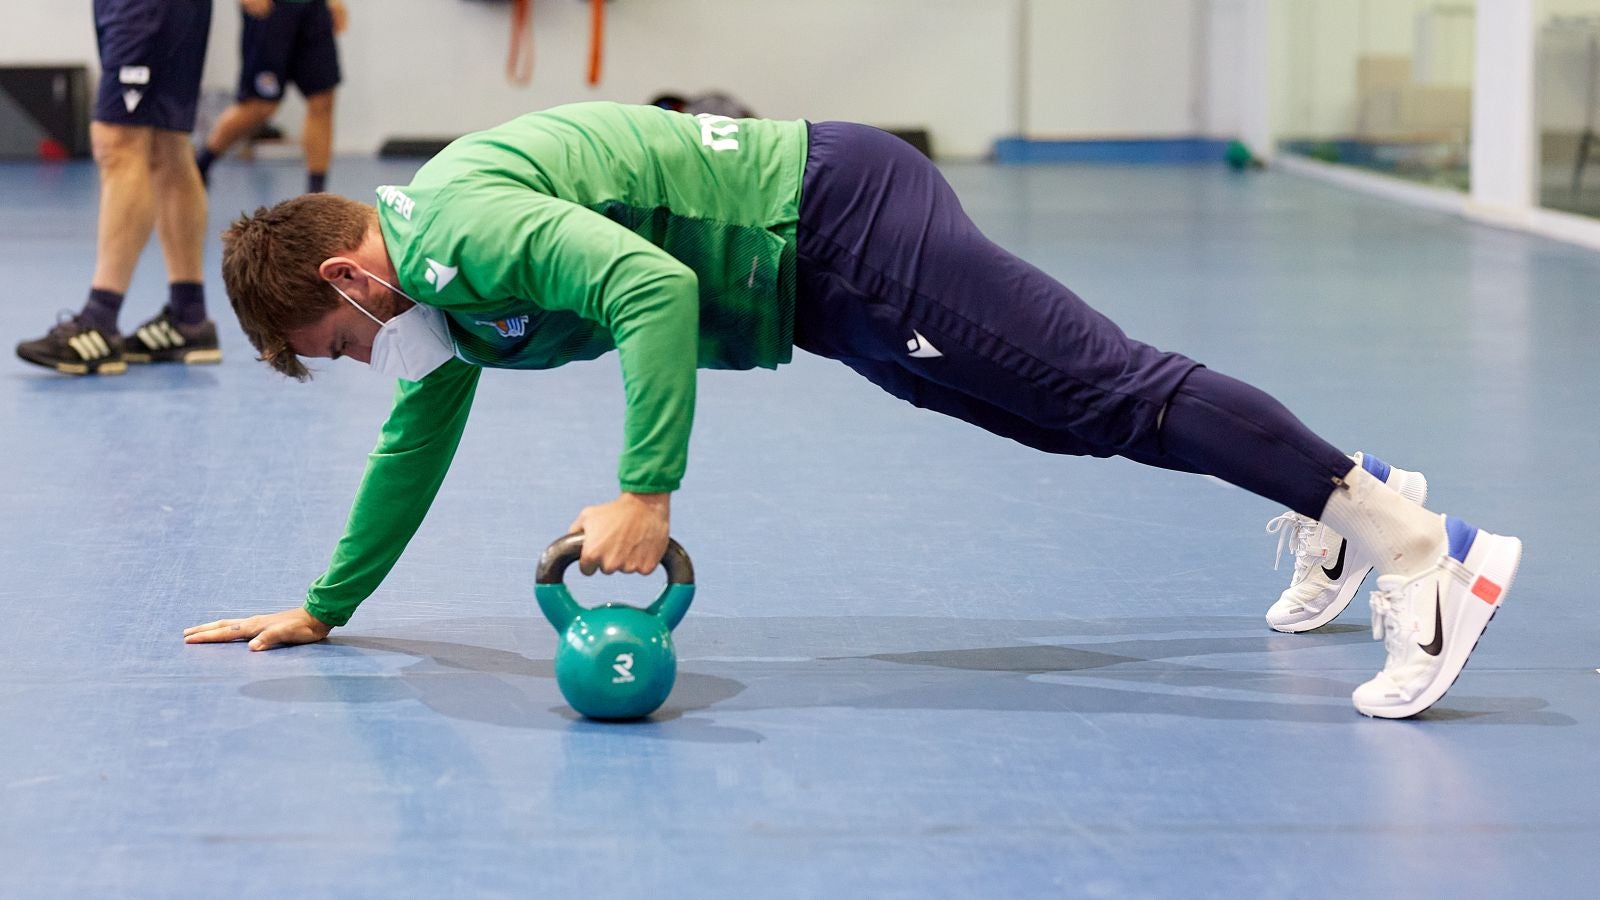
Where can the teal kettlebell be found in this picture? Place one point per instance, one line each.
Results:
(614, 661)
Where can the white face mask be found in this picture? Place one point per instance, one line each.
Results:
(410, 345)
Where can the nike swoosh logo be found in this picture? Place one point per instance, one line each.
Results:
(1335, 573)
(1433, 647)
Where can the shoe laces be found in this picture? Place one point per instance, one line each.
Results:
(68, 323)
(1389, 605)
(1386, 607)
(1393, 621)
(1295, 532)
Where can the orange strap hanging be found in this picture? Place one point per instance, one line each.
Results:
(519, 64)
(597, 32)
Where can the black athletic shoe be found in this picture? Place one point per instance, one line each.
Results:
(163, 340)
(76, 348)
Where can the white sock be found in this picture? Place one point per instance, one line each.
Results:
(1400, 537)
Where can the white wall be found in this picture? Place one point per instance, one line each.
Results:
(1229, 59)
(889, 63)
(429, 67)
(1111, 68)
(437, 67)
(61, 32)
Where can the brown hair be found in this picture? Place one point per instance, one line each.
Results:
(270, 262)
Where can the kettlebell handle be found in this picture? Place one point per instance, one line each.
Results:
(557, 604)
(566, 550)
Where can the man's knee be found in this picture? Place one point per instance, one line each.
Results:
(258, 111)
(171, 151)
(320, 105)
(120, 147)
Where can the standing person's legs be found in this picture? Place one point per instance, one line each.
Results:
(264, 49)
(180, 332)
(123, 155)
(318, 140)
(314, 68)
(181, 207)
(151, 55)
(237, 121)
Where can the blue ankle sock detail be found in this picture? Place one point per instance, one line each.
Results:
(1375, 467)
(186, 302)
(101, 310)
(1461, 535)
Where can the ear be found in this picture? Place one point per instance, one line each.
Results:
(344, 272)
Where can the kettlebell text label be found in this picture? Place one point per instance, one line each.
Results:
(624, 669)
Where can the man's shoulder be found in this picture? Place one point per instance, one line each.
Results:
(434, 207)
(400, 202)
(416, 236)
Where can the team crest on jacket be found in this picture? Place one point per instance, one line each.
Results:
(513, 327)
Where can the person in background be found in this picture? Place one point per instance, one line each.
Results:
(284, 41)
(152, 53)
(711, 103)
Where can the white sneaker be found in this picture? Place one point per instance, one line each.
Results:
(1320, 591)
(1431, 623)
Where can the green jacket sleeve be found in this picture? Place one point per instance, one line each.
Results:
(562, 256)
(403, 476)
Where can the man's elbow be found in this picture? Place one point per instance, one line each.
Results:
(681, 282)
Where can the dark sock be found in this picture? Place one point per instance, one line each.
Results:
(203, 159)
(101, 310)
(316, 182)
(1223, 427)
(187, 302)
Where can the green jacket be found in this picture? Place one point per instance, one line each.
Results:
(560, 236)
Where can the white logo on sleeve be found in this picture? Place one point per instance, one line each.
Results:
(439, 274)
(393, 198)
(920, 346)
(134, 75)
(717, 132)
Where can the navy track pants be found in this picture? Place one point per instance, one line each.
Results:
(895, 281)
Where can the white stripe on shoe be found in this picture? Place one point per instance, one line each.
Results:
(160, 335)
(89, 346)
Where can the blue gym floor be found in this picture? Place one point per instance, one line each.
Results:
(923, 661)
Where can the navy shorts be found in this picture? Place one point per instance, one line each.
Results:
(894, 280)
(292, 45)
(152, 53)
